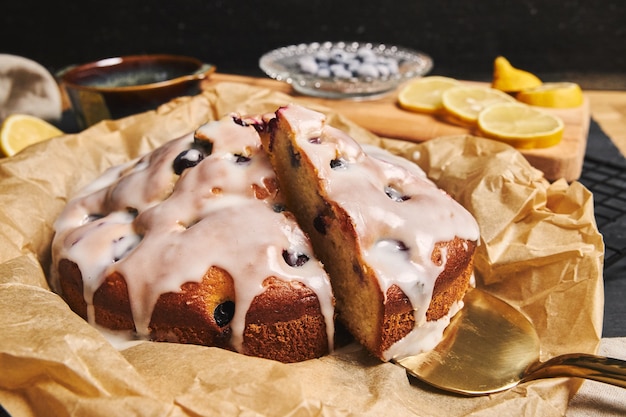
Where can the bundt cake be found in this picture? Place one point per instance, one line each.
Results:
(399, 251)
(191, 244)
(214, 239)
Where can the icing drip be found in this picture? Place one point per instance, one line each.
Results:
(160, 230)
(423, 338)
(389, 199)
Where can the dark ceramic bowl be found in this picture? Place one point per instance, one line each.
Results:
(118, 87)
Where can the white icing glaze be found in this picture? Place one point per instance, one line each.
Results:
(426, 215)
(119, 339)
(160, 231)
(423, 338)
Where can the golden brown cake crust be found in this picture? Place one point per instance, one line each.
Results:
(283, 323)
(71, 287)
(282, 311)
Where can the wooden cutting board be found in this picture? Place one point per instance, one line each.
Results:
(383, 117)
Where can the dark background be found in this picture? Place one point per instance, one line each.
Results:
(556, 39)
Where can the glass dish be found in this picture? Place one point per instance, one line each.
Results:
(288, 64)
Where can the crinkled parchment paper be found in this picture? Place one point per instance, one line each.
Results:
(540, 250)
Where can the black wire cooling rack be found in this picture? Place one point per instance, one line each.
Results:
(607, 182)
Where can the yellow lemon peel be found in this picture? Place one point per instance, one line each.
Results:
(465, 103)
(22, 130)
(509, 79)
(424, 94)
(555, 95)
(521, 126)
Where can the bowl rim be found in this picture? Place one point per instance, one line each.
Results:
(203, 71)
(279, 65)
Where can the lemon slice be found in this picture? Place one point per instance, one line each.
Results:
(509, 79)
(21, 130)
(424, 94)
(520, 125)
(558, 95)
(465, 103)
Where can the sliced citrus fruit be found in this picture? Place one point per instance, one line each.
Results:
(424, 94)
(509, 79)
(21, 130)
(561, 95)
(520, 125)
(465, 103)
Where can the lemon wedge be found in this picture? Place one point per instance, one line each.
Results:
(21, 130)
(424, 94)
(557, 95)
(521, 126)
(509, 79)
(465, 103)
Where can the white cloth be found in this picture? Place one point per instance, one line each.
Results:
(595, 399)
(27, 87)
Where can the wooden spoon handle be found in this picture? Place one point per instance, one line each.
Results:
(598, 368)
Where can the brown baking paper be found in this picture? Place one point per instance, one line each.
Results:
(540, 250)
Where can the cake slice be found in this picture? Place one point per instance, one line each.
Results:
(399, 251)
